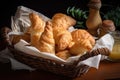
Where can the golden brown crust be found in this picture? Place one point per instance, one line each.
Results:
(46, 42)
(82, 34)
(83, 42)
(63, 20)
(77, 49)
(37, 27)
(16, 38)
(63, 54)
(62, 38)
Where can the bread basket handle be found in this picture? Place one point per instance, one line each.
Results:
(103, 51)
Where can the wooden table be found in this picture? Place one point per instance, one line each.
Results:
(107, 71)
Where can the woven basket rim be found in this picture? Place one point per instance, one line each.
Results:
(33, 56)
(70, 70)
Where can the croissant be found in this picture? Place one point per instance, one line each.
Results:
(62, 38)
(36, 28)
(83, 42)
(63, 20)
(46, 42)
(82, 34)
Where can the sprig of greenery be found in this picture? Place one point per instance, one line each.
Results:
(79, 15)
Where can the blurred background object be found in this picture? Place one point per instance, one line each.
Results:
(46, 7)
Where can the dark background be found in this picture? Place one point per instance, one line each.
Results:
(46, 7)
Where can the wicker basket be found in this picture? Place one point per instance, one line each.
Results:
(69, 70)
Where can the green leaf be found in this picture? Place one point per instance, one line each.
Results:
(76, 12)
(79, 22)
(68, 10)
(72, 9)
(79, 14)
